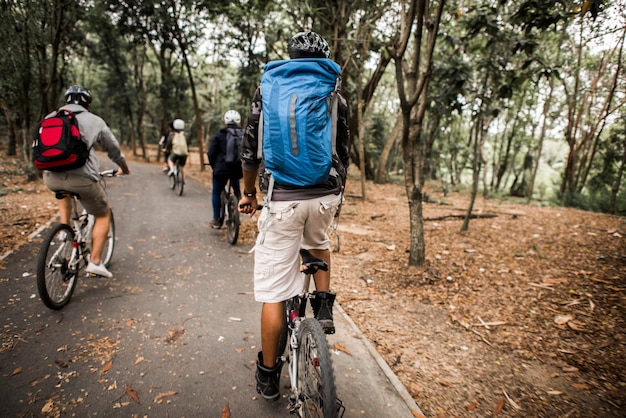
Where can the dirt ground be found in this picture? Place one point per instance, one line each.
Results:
(524, 315)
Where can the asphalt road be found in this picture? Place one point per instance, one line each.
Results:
(174, 333)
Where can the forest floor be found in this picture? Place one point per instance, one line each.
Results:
(523, 315)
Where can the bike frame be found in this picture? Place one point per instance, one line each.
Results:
(294, 320)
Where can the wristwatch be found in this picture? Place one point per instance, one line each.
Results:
(249, 194)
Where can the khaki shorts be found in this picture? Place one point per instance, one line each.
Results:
(283, 230)
(92, 196)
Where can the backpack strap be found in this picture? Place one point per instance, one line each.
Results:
(259, 150)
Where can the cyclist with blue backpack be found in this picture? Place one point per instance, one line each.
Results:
(224, 158)
(297, 143)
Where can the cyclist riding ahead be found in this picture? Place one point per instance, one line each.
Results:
(293, 217)
(176, 146)
(225, 161)
(84, 180)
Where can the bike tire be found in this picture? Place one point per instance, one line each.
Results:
(109, 244)
(232, 224)
(316, 380)
(180, 184)
(55, 281)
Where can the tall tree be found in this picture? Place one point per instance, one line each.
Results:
(419, 27)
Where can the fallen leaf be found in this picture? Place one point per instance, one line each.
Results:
(499, 406)
(48, 406)
(577, 326)
(472, 406)
(562, 319)
(417, 414)
(555, 392)
(138, 360)
(341, 347)
(226, 411)
(581, 386)
(174, 335)
(159, 398)
(133, 394)
(16, 371)
(107, 367)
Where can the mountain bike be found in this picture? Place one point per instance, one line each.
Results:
(229, 212)
(176, 179)
(307, 354)
(65, 252)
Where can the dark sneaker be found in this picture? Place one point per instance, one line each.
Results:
(267, 380)
(322, 304)
(216, 224)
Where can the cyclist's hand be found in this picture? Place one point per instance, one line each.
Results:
(248, 205)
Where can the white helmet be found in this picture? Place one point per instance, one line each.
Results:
(179, 124)
(232, 116)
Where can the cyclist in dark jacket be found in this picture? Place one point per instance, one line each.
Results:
(222, 169)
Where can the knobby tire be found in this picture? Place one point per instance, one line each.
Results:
(232, 221)
(179, 181)
(55, 282)
(172, 180)
(316, 380)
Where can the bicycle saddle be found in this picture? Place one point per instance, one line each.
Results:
(62, 194)
(312, 264)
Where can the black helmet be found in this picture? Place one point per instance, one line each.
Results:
(308, 45)
(78, 95)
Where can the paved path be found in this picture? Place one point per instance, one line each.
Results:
(174, 333)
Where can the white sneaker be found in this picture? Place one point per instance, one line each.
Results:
(98, 269)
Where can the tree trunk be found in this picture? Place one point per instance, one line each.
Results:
(381, 174)
(618, 177)
(412, 77)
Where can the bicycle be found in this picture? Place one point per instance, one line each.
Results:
(176, 179)
(307, 355)
(65, 252)
(229, 213)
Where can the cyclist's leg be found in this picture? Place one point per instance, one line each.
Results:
(315, 239)
(272, 318)
(94, 200)
(99, 235)
(234, 181)
(182, 161)
(219, 182)
(65, 210)
(276, 273)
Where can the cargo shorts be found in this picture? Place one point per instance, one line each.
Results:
(284, 228)
(92, 195)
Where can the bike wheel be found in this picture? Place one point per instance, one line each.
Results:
(109, 244)
(316, 380)
(232, 223)
(56, 277)
(179, 182)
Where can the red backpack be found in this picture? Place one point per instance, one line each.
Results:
(58, 145)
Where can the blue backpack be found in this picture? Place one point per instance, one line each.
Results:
(298, 125)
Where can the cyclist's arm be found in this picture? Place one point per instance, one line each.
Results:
(248, 203)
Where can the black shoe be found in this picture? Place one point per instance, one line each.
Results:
(322, 304)
(267, 380)
(216, 224)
